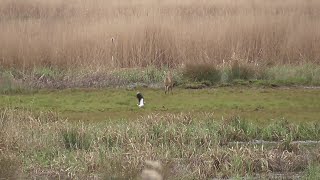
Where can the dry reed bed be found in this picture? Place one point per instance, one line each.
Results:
(159, 33)
(44, 145)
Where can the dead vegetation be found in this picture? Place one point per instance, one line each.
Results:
(69, 34)
(179, 146)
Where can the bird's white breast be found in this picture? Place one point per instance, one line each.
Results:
(141, 103)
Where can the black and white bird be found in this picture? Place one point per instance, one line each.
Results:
(140, 100)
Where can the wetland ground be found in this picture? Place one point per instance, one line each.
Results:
(255, 104)
(194, 134)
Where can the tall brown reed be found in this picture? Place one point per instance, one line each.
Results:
(77, 33)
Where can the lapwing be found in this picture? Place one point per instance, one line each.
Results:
(140, 100)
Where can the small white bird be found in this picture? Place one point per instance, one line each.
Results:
(140, 100)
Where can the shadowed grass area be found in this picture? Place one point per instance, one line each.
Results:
(296, 104)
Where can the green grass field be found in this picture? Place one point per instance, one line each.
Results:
(87, 133)
(254, 104)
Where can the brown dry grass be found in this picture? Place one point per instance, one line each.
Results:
(42, 145)
(77, 33)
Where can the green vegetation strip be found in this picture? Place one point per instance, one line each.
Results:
(196, 76)
(254, 104)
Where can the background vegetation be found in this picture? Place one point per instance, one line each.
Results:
(85, 33)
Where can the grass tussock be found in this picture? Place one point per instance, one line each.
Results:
(114, 34)
(182, 146)
(76, 139)
(205, 73)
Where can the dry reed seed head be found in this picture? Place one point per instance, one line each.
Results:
(156, 165)
(234, 56)
(149, 174)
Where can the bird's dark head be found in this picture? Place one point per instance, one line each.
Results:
(139, 96)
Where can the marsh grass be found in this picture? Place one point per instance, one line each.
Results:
(186, 146)
(242, 71)
(8, 84)
(76, 139)
(239, 130)
(292, 75)
(191, 76)
(313, 172)
(114, 34)
(149, 75)
(283, 130)
(202, 73)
